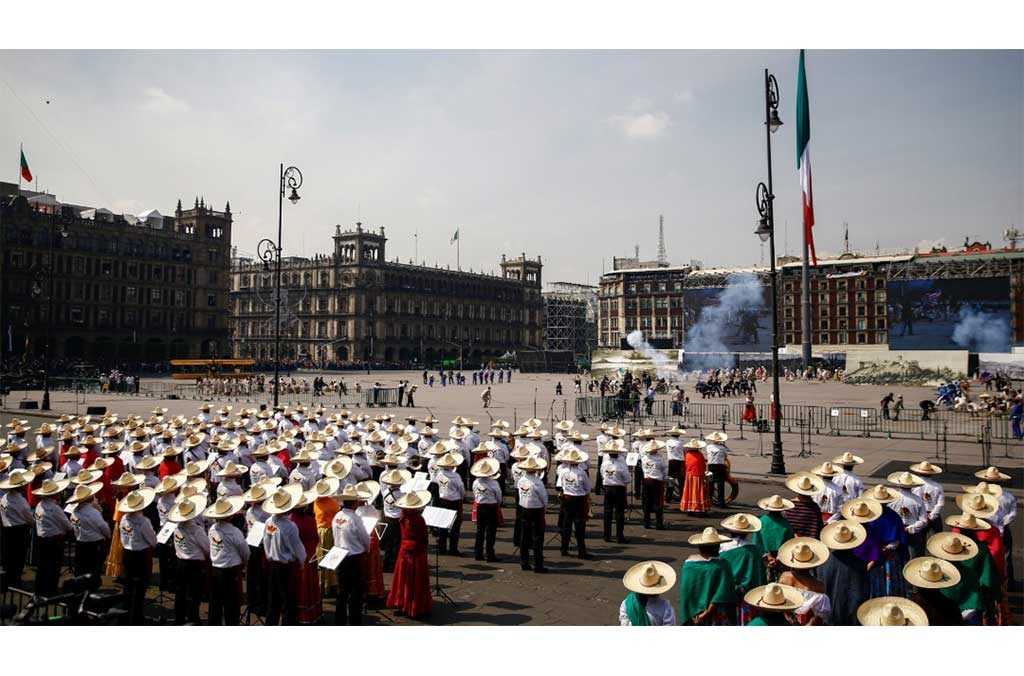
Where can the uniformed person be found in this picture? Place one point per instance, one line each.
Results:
(615, 475)
(349, 534)
(654, 467)
(52, 526)
(487, 496)
(92, 533)
(391, 483)
(450, 493)
(575, 484)
(533, 499)
(192, 547)
(17, 519)
(137, 540)
(283, 548)
(228, 555)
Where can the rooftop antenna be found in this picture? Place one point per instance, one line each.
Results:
(636, 251)
(846, 237)
(662, 256)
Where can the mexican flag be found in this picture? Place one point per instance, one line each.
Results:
(26, 173)
(803, 155)
(454, 238)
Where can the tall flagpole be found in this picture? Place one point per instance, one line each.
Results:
(458, 252)
(21, 149)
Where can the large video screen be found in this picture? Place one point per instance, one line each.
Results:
(736, 318)
(950, 314)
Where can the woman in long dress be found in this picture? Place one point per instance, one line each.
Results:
(307, 580)
(696, 496)
(410, 586)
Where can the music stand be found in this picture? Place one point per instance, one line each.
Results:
(439, 518)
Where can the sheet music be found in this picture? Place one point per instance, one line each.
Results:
(368, 523)
(439, 517)
(333, 558)
(256, 532)
(165, 533)
(632, 458)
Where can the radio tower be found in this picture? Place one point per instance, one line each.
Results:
(662, 256)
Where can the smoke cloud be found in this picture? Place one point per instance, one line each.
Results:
(982, 331)
(663, 366)
(742, 300)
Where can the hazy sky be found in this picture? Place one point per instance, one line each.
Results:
(570, 155)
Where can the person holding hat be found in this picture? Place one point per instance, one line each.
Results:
(285, 554)
(745, 559)
(931, 492)
(192, 548)
(849, 483)
(643, 606)
(575, 485)
(928, 576)
(229, 554)
(775, 530)
(52, 526)
(696, 499)
(533, 501)
(410, 585)
(91, 532)
(773, 604)
(805, 517)
(891, 611)
(707, 590)
(717, 454)
(349, 534)
(800, 556)
(844, 573)
(137, 540)
(654, 469)
(17, 519)
(615, 475)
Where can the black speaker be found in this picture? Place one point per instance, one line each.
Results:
(96, 410)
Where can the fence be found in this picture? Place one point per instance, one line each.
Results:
(380, 397)
(832, 420)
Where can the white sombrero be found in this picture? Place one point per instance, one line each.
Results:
(803, 553)
(805, 483)
(952, 547)
(928, 572)
(844, 534)
(742, 523)
(861, 510)
(775, 503)
(777, 597)
(891, 611)
(649, 577)
(708, 536)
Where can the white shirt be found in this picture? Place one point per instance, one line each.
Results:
(51, 520)
(227, 545)
(254, 514)
(911, 509)
(281, 541)
(830, 499)
(659, 613)
(164, 505)
(449, 485)
(137, 532)
(14, 509)
(716, 453)
(88, 523)
(306, 475)
(675, 449)
(229, 487)
(349, 532)
(532, 493)
(191, 541)
(850, 484)
(933, 495)
(71, 468)
(654, 466)
(615, 471)
(574, 481)
(389, 495)
(1006, 512)
(486, 492)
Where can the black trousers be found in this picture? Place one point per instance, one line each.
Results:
(448, 540)
(517, 528)
(486, 530)
(256, 582)
(348, 607)
(599, 484)
(187, 595)
(168, 566)
(614, 506)
(225, 599)
(12, 555)
(389, 544)
(574, 519)
(718, 482)
(138, 565)
(677, 472)
(532, 536)
(1008, 544)
(654, 502)
(281, 602)
(50, 556)
(89, 560)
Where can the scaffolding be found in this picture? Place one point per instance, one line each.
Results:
(571, 318)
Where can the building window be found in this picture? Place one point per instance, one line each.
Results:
(154, 295)
(824, 338)
(842, 310)
(880, 323)
(862, 324)
(75, 315)
(862, 338)
(861, 310)
(824, 325)
(880, 295)
(842, 337)
(789, 338)
(179, 299)
(788, 312)
(823, 311)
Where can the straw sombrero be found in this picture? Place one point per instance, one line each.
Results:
(51, 488)
(572, 456)
(653, 446)
(326, 487)
(905, 479)
(261, 491)
(844, 534)
(985, 488)
(708, 536)
(717, 437)
(233, 469)
(283, 500)
(861, 510)
(414, 500)
(84, 492)
(649, 577)
(775, 503)
(187, 509)
(149, 463)
(805, 483)
(992, 474)
(532, 464)
(19, 478)
(224, 507)
(170, 483)
(952, 547)
(742, 523)
(803, 553)
(826, 469)
(370, 487)
(564, 425)
(614, 446)
(196, 468)
(881, 494)
(696, 444)
(127, 480)
(395, 477)
(449, 461)
(136, 501)
(967, 522)
(978, 504)
(485, 468)
(354, 493)
(86, 476)
(777, 597)
(928, 572)
(925, 467)
(339, 468)
(891, 611)
(847, 458)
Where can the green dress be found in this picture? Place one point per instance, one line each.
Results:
(979, 582)
(702, 583)
(747, 565)
(775, 530)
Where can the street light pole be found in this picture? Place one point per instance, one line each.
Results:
(766, 231)
(49, 314)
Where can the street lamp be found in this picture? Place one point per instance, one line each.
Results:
(269, 252)
(37, 292)
(766, 233)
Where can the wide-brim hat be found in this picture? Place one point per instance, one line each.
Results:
(40, 454)
(984, 487)
(532, 464)
(774, 597)
(170, 483)
(925, 467)
(46, 428)
(136, 501)
(696, 444)
(51, 488)
(233, 469)
(84, 492)
(572, 456)
(717, 437)
(459, 433)
(393, 459)
(576, 435)
(326, 487)
(847, 458)
(978, 504)
(708, 536)
(196, 467)
(112, 448)
(283, 500)
(905, 479)
(172, 451)
(339, 468)
(186, 509)
(615, 431)
(928, 572)
(149, 463)
(438, 448)
(967, 521)
(428, 432)
(805, 483)
(354, 493)
(224, 507)
(100, 464)
(653, 446)
(803, 553)
(992, 474)
(775, 503)
(826, 469)
(564, 425)
(891, 611)
(415, 500)
(952, 547)
(741, 523)
(677, 431)
(500, 424)
(370, 486)
(449, 461)
(861, 510)
(485, 468)
(127, 480)
(18, 478)
(614, 446)
(649, 577)
(844, 534)
(262, 490)
(880, 494)
(195, 439)
(395, 477)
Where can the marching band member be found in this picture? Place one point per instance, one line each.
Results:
(574, 481)
(676, 459)
(487, 495)
(533, 499)
(192, 547)
(653, 467)
(52, 526)
(228, 555)
(17, 518)
(349, 534)
(91, 532)
(284, 552)
(137, 540)
(450, 493)
(931, 492)
(615, 474)
(391, 483)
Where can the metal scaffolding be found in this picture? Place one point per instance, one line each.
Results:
(571, 318)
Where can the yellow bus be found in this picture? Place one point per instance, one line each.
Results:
(203, 369)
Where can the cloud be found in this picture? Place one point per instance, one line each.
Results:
(158, 101)
(642, 125)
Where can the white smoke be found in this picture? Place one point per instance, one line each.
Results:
(981, 331)
(743, 296)
(663, 366)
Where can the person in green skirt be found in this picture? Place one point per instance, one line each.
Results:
(977, 594)
(775, 529)
(707, 591)
(745, 559)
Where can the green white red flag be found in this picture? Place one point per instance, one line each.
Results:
(26, 173)
(803, 155)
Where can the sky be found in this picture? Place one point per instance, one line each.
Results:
(570, 155)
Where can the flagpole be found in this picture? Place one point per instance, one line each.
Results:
(21, 149)
(458, 252)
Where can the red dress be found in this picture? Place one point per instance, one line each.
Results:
(410, 585)
(307, 581)
(169, 467)
(696, 497)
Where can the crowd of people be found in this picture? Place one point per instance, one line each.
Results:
(248, 504)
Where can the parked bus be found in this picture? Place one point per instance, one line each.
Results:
(203, 369)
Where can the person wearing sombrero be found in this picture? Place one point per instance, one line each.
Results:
(487, 498)
(410, 585)
(800, 556)
(256, 570)
(696, 497)
(775, 529)
(676, 462)
(977, 595)
(831, 498)
(1006, 513)
(450, 493)
(192, 549)
(309, 601)
(849, 483)
(911, 509)
(844, 573)
(891, 611)
(643, 606)
(169, 464)
(931, 492)
(349, 534)
(979, 511)
(52, 527)
(805, 517)
(707, 590)
(717, 454)
(533, 500)
(137, 540)
(72, 462)
(655, 471)
(745, 559)
(229, 554)
(91, 532)
(774, 604)
(284, 552)
(575, 486)
(928, 576)
(17, 519)
(615, 473)
(885, 549)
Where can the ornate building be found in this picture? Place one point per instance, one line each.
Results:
(125, 288)
(354, 305)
